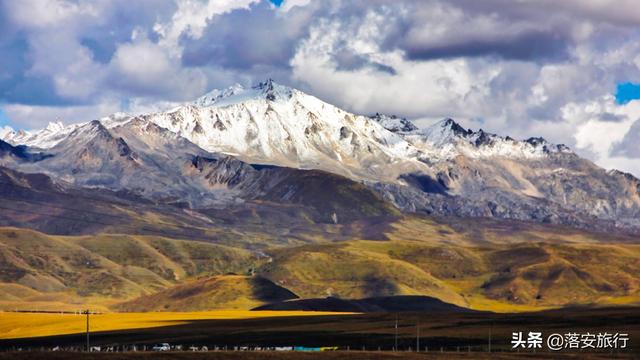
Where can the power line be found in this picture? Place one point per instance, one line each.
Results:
(88, 346)
(395, 347)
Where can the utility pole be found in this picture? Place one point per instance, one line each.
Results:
(88, 346)
(395, 347)
(490, 331)
(418, 336)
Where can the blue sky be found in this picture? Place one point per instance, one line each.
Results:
(4, 119)
(626, 92)
(564, 70)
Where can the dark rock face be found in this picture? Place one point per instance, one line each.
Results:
(327, 193)
(457, 129)
(533, 180)
(20, 153)
(580, 195)
(344, 132)
(425, 183)
(394, 123)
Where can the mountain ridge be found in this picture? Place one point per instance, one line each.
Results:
(444, 169)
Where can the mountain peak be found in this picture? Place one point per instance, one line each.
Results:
(273, 91)
(54, 126)
(457, 129)
(540, 142)
(268, 89)
(536, 141)
(449, 139)
(445, 131)
(215, 95)
(394, 123)
(88, 131)
(6, 130)
(265, 85)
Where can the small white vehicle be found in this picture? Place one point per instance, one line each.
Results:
(162, 347)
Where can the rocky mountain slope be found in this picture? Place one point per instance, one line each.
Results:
(36, 201)
(142, 158)
(482, 174)
(212, 152)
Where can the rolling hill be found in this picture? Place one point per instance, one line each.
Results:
(372, 305)
(170, 210)
(219, 292)
(498, 277)
(55, 272)
(470, 265)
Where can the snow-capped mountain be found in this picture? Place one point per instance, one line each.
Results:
(394, 124)
(140, 157)
(443, 169)
(274, 124)
(52, 134)
(5, 131)
(446, 139)
(55, 132)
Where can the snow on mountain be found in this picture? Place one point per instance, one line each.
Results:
(5, 131)
(446, 139)
(443, 169)
(274, 124)
(116, 119)
(46, 138)
(54, 127)
(134, 155)
(393, 123)
(216, 95)
(55, 132)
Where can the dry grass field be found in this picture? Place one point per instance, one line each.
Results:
(26, 325)
(447, 335)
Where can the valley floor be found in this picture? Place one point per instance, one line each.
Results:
(454, 334)
(352, 355)
(14, 325)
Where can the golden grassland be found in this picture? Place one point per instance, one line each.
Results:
(499, 278)
(479, 264)
(45, 272)
(487, 232)
(231, 292)
(25, 325)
